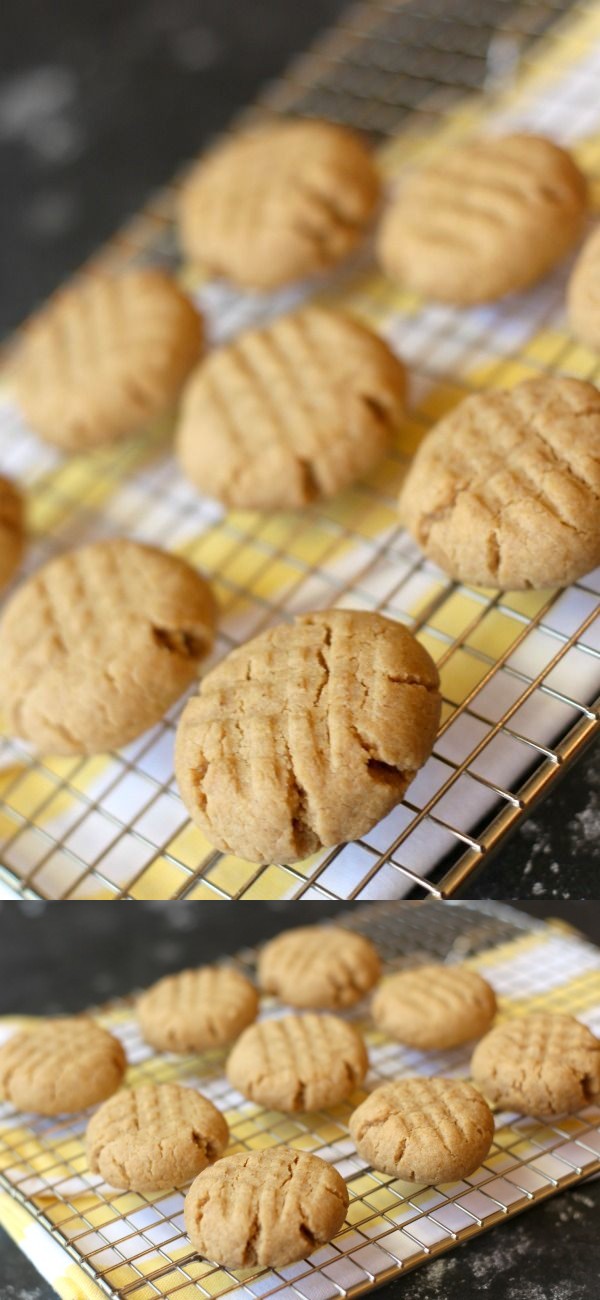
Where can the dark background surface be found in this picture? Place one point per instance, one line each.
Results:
(99, 104)
(55, 957)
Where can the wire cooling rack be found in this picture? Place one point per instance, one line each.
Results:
(520, 671)
(135, 1247)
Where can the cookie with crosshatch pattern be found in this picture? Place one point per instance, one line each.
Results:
(325, 967)
(59, 1067)
(584, 293)
(278, 203)
(12, 530)
(99, 643)
(106, 357)
(155, 1136)
(197, 1009)
(489, 218)
(505, 490)
(265, 1209)
(434, 1006)
(424, 1130)
(544, 1064)
(307, 735)
(298, 1063)
(290, 412)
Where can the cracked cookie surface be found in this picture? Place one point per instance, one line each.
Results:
(61, 1066)
(293, 411)
(279, 203)
(584, 293)
(99, 643)
(298, 1063)
(542, 1064)
(490, 218)
(307, 735)
(196, 1009)
(505, 491)
(105, 358)
(155, 1136)
(319, 966)
(424, 1130)
(265, 1209)
(12, 530)
(434, 1006)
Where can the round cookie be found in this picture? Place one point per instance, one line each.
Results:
(541, 1065)
(279, 203)
(490, 218)
(12, 530)
(319, 966)
(105, 358)
(99, 643)
(290, 412)
(156, 1136)
(307, 735)
(298, 1062)
(424, 1130)
(197, 1009)
(434, 1006)
(61, 1066)
(264, 1209)
(505, 491)
(583, 294)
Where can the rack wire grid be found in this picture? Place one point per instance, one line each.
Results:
(520, 671)
(135, 1247)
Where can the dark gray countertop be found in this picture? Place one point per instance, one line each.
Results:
(63, 958)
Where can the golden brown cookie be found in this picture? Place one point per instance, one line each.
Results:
(264, 1209)
(489, 218)
(307, 735)
(290, 412)
(584, 293)
(319, 966)
(61, 1066)
(434, 1006)
(279, 203)
(12, 530)
(99, 643)
(196, 1009)
(424, 1130)
(298, 1062)
(159, 1135)
(105, 358)
(505, 491)
(542, 1064)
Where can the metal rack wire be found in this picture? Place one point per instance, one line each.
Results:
(135, 1246)
(520, 671)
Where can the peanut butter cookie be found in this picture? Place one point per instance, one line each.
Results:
(584, 293)
(434, 1006)
(61, 1066)
(424, 1130)
(105, 358)
(264, 1209)
(505, 491)
(290, 412)
(279, 203)
(307, 735)
(156, 1136)
(298, 1062)
(196, 1009)
(490, 218)
(98, 644)
(542, 1064)
(12, 530)
(319, 966)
